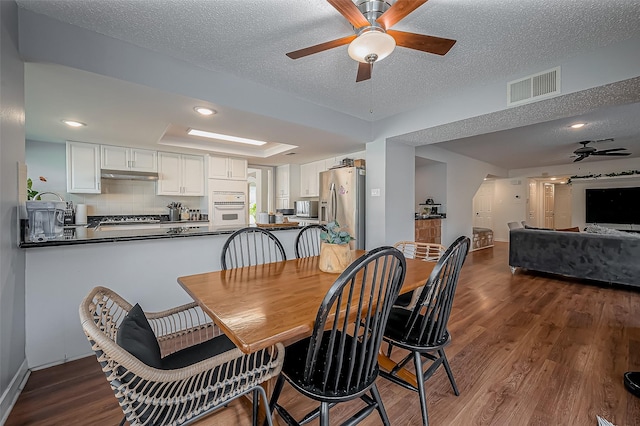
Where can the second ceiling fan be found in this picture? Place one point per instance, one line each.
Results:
(373, 39)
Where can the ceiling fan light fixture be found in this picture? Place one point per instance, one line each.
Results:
(371, 46)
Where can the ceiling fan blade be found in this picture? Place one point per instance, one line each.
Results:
(580, 158)
(425, 43)
(399, 10)
(320, 47)
(349, 10)
(621, 154)
(604, 151)
(364, 71)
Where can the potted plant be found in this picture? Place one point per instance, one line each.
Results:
(335, 252)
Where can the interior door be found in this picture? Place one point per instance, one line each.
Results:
(482, 206)
(562, 204)
(548, 204)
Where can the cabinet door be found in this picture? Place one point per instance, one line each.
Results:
(83, 168)
(237, 168)
(282, 203)
(193, 175)
(282, 181)
(169, 171)
(218, 167)
(143, 160)
(114, 157)
(306, 173)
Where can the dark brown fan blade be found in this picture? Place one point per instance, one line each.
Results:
(580, 158)
(349, 10)
(425, 43)
(320, 47)
(398, 11)
(620, 154)
(604, 151)
(364, 71)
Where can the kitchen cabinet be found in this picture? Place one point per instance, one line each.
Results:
(310, 178)
(227, 168)
(287, 185)
(180, 174)
(83, 168)
(122, 158)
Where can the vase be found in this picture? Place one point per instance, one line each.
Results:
(334, 258)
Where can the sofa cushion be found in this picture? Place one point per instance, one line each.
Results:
(136, 336)
(572, 229)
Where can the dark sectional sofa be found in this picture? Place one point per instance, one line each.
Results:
(602, 257)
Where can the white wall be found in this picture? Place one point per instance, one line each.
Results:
(12, 259)
(118, 196)
(510, 205)
(431, 182)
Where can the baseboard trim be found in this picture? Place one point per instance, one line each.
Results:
(10, 396)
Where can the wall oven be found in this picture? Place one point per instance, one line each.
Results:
(228, 208)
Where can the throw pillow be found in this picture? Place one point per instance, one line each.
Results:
(136, 336)
(597, 229)
(572, 229)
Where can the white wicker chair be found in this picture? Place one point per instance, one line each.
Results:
(151, 396)
(430, 252)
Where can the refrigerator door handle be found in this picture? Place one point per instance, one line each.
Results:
(334, 201)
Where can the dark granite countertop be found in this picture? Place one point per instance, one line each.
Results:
(431, 217)
(75, 235)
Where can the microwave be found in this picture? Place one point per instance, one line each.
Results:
(306, 208)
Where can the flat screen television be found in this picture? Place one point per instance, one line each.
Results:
(613, 205)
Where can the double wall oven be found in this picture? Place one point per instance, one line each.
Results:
(228, 204)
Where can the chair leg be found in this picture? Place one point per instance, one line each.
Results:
(417, 360)
(449, 372)
(256, 401)
(274, 396)
(324, 414)
(381, 410)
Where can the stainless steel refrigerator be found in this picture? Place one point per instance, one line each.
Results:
(342, 198)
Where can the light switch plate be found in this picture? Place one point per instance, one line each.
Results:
(375, 192)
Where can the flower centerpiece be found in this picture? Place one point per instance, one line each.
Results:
(335, 252)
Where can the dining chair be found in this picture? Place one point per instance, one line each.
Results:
(430, 252)
(339, 361)
(171, 367)
(423, 330)
(308, 241)
(251, 246)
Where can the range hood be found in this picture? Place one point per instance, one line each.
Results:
(128, 175)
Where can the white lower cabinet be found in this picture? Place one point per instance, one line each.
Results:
(180, 174)
(83, 168)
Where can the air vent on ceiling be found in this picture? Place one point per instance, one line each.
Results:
(534, 87)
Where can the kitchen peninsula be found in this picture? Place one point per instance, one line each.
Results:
(141, 265)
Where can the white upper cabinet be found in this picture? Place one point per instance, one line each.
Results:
(180, 174)
(287, 185)
(83, 168)
(310, 178)
(122, 158)
(227, 168)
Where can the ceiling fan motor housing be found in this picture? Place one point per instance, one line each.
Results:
(372, 10)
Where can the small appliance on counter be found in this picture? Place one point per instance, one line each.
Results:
(46, 219)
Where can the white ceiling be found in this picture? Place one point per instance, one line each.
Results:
(496, 40)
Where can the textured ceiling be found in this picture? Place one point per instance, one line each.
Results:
(497, 40)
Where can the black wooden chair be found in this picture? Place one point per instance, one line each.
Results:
(308, 241)
(423, 330)
(251, 246)
(339, 362)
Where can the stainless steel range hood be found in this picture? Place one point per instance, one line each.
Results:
(128, 175)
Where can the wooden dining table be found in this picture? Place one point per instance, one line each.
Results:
(258, 306)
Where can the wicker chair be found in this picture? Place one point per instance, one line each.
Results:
(430, 252)
(308, 241)
(175, 396)
(251, 246)
(423, 330)
(339, 362)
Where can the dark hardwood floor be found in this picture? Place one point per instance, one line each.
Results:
(527, 349)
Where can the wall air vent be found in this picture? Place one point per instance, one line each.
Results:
(534, 87)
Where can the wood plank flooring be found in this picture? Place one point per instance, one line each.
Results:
(527, 349)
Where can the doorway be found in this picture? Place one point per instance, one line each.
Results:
(261, 190)
(482, 205)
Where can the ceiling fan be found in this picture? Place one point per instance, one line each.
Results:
(373, 39)
(586, 151)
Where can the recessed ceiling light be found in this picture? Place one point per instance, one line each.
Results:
(73, 123)
(577, 125)
(204, 134)
(553, 178)
(204, 110)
